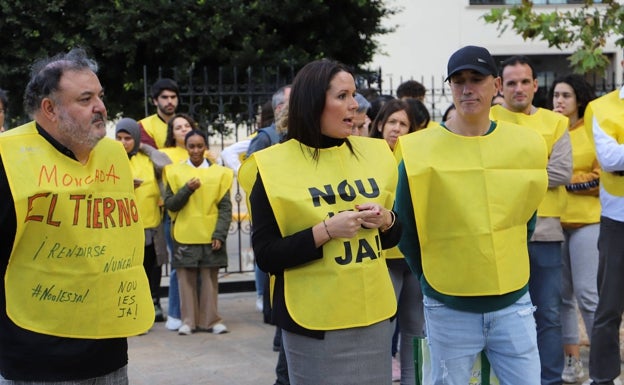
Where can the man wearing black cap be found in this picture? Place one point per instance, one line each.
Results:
(467, 193)
(519, 85)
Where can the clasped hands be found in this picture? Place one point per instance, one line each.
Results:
(367, 215)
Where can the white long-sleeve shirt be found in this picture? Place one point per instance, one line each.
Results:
(610, 155)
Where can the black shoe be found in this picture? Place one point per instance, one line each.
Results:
(160, 317)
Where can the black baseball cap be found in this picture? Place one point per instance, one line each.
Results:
(474, 58)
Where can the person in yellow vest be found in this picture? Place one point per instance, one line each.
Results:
(397, 118)
(146, 164)
(165, 96)
(177, 128)
(71, 253)
(198, 192)
(321, 211)
(179, 125)
(604, 123)
(466, 194)
(519, 85)
(570, 95)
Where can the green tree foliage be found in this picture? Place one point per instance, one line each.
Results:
(586, 27)
(125, 35)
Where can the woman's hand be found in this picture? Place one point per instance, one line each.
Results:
(216, 244)
(375, 216)
(346, 224)
(368, 215)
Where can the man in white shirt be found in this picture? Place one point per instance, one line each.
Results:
(604, 120)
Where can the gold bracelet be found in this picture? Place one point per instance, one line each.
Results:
(393, 216)
(326, 229)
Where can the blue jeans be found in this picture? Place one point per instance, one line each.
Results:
(261, 278)
(173, 309)
(545, 289)
(507, 336)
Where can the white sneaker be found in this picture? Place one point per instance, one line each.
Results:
(219, 329)
(259, 303)
(617, 381)
(185, 330)
(173, 323)
(396, 370)
(572, 370)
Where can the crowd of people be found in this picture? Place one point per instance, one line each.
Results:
(374, 227)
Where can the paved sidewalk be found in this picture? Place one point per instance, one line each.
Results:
(244, 356)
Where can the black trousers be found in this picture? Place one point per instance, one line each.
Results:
(153, 271)
(604, 355)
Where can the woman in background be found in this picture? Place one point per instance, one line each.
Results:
(198, 191)
(396, 118)
(570, 95)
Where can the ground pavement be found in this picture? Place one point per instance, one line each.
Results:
(243, 356)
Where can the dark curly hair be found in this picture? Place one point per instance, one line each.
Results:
(583, 91)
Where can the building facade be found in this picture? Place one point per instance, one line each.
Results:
(428, 32)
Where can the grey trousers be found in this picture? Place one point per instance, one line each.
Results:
(410, 315)
(578, 283)
(355, 356)
(118, 377)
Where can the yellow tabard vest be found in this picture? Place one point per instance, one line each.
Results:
(582, 208)
(155, 127)
(473, 197)
(179, 154)
(147, 193)
(176, 154)
(394, 252)
(76, 268)
(350, 286)
(609, 112)
(551, 126)
(196, 221)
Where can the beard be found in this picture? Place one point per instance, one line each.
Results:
(167, 109)
(78, 134)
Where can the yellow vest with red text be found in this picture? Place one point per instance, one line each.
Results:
(76, 268)
(473, 197)
(551, 126)
(196, 221)
(156, 128)
(609, 112)
(147, 193)
(350, 286)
